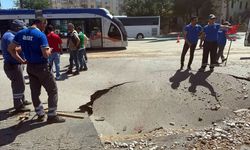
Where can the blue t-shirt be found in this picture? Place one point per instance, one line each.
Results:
(222, 39)
(32, 40)
(211, 32)
(193, 33)
(6, 40)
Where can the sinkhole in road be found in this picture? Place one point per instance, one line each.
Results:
(153, 103)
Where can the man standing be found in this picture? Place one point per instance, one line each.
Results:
(36, 49)
(221, 41)
(210, 43)
(55, 43)
(13, 69)
(82, 52)
(73, 44)
(191, 36)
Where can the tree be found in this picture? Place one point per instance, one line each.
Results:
(148, 7)
(33, 4)
(200, 8)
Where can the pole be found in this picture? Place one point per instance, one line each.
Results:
(228, 51)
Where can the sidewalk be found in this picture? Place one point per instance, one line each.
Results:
(73, 134)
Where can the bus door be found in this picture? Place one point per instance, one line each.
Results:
(94, 31)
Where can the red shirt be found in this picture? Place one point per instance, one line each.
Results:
(54, 41)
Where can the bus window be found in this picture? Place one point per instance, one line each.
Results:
(114, 33)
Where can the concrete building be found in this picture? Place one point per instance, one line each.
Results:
(233, 11)
(114, 6)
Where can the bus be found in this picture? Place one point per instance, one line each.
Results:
(141, 27)
(6, 16)
(247, 36)
(102, 29)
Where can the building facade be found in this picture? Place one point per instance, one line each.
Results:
(235, 11)
(114, 6)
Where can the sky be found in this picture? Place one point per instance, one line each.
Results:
(6, 4)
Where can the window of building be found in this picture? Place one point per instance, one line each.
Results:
(246, 5)
(232, 4)
(240, 4)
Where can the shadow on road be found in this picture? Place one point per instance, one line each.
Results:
(178, 77)
(9, 134)
(200, 79)
(7, 113)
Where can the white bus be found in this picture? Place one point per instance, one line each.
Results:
(141, 27)
(103, 30)
(6, 16)
(247, 37)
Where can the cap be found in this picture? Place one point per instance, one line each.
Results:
(226, 23)
(18, 24)
(212, 16)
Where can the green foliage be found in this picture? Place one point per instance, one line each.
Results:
(34, 4)
(187, 8)
(148, 7)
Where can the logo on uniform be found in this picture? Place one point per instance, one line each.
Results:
(27, 38)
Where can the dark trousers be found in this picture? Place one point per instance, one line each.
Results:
(73, 58)
(209, 48)
(220, 53)
(184, 51)
(40, 75)
(15, 73)
(82, 58)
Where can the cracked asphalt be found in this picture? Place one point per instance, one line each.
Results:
(134, 91)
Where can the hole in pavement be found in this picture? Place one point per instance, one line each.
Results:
(88, 106)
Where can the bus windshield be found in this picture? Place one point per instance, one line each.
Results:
(102, 29)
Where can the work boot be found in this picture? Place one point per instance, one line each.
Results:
(202, 69)
(76, 73)
(223, 60)
(69, 72)
(25, 102)
(40, 118)
(217, 64)
(22, 108)
(55, 119)
(85, 69)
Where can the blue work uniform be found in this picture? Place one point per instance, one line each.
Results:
(14, 70)
(210, 45)
(32, 40)
(192, 36)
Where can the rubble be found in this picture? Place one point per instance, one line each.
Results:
(230, 134)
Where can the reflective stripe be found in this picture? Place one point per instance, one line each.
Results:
(39, 110)
(19, 95)
(52, 113)
(52, 109)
